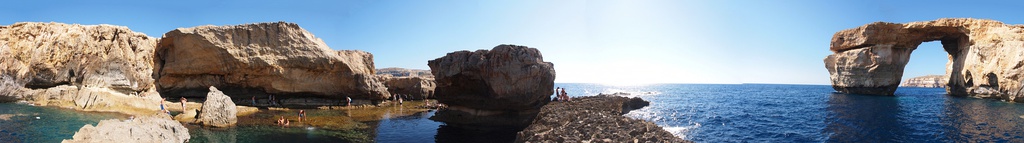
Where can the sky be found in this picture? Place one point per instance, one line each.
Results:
(601, 41)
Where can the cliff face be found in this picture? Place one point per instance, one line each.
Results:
(403, 72)
(928, 81)
(984, 56)
(86, 67)
(504, 86)
(264, 58)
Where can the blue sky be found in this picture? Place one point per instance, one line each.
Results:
(620, 42)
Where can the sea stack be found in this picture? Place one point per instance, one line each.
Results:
(504, 86)
(985, 57)
(262, 59)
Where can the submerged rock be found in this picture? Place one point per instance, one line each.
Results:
(505, 85)
(148, 129)
(594, 119)
(928, 81)
(984, 56)
(218, 110)
(259, 59)
(84, 67)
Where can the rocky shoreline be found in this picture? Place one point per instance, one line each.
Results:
(594, 119)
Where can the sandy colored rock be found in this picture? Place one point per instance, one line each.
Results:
(985, 57)
(403, 72)
(416, 88)
(218, 110)
(84, 67)
(928, 81)
(262, 58)
(148, 129)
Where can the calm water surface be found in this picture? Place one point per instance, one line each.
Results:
(698, 112)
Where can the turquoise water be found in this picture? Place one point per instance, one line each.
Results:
(698, 112)
(19, 123)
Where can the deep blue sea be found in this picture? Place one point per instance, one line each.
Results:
(698, 112)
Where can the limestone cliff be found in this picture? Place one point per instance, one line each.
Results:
(928, 81)
(985, 57)
(85, 67)
(403, 72)
(263, 58)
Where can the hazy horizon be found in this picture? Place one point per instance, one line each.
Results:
(611, 42)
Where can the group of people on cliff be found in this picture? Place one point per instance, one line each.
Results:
(561, 95)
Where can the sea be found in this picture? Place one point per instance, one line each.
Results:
(697, 112)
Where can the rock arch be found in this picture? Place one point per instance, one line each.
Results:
(985, 56)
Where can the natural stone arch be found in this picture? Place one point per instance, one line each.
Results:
(985, 56)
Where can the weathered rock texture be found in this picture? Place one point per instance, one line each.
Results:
(85, 67)
(411, 87)
(148, 129)
(271, 58)
(594, 119)
(928, 81)
(985, 57)
(218, 110)
(507, 82)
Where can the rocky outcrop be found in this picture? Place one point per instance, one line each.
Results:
(411, 87)
(84, 67)
(594, 119)
(259, 59)
(147, 129)
(984, 56)
(218, 110)
(403, 72)
(508, 82)
(928, 81)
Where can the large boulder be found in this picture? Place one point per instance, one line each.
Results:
(411, 87)
(504, 86)
(259, 59)
(84, 67)
(507, 77)
(985, 57)
(147, 129)
(218, 110)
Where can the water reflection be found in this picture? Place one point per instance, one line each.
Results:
(981, 120)
(863, 118)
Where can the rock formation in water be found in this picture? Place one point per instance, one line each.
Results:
(985, 57)
(258, 59)
(147, 129)
(84, 67)
(928, 81)
(415, 88)
(594, 119)
(218, 110)
(403, 72)
(506, 81)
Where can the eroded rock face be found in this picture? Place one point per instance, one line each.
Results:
(504, 86)
(84, 67)
(928, 81)
(264, 58)
(985, 57)
(507, 77)
(148, 129)
(411, 87)
(218, 110)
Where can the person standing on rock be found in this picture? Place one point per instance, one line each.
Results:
(253, 100)
(349, 99)
(162, 109)
(183, 100)
(302, 115)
